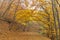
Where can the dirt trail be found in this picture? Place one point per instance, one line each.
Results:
(5, 34)
(21, 36)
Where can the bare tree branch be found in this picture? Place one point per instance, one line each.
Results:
(7, 8)
(58, 3)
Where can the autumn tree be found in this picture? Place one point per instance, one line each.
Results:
(45, 13)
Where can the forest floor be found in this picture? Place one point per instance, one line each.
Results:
(21, 36)
(5, 34)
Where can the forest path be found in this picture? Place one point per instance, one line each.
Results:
(5, 34)
(21, 36)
